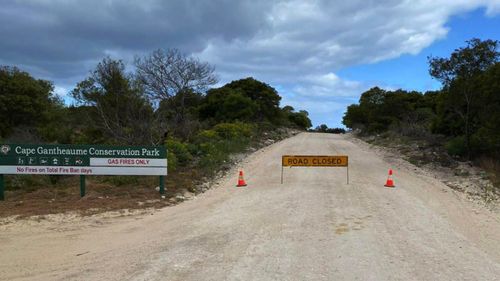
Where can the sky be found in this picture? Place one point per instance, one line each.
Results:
(320, 55)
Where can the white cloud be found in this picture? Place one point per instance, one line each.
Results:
(309, 36)
(296, 44)
(305, 43)
(61, 91)
(327, 85)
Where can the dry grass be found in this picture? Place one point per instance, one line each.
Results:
(492, 168)
(101, 195)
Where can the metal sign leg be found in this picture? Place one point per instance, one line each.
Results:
(347, 174)
(82, 185)
(162, 185)
(281, 174)
(2, 188)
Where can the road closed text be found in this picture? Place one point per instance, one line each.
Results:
(313, 160)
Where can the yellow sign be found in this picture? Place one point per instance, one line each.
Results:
(314, 161)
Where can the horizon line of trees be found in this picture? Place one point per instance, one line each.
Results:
(466, 111)
(167, 95)
(323, 128)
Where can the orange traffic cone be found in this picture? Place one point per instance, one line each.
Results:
(389, 182)
(241, 181)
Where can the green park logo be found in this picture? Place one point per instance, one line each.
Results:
(5, 149)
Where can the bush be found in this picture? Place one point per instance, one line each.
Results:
(180, 150)
(226, 105)
(230, 131)
(214, 146)
(172, 161)
(214, 155)
(207, 136)
(300, 119)
(456, 146)
(323, 128)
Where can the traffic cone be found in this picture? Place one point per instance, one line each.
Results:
(389, 182)
(241, 181)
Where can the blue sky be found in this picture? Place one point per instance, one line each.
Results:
(320, 55)
(410, 72)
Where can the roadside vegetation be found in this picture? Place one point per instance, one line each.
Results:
(323, 128)
(459, 122)
(168, 99)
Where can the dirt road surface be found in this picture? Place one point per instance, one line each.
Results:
(313, 227)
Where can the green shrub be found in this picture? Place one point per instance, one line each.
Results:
(300, 119)
(266, 127)
(214, 155)
(231, 131)
(180, 150)
(214, 146)
(207, 136)
(456, 146)
(172, 161)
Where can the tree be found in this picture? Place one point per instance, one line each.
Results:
(124, 113)
(323, 128)
(24, 100)
(354, 117)
(410, 113)
(168, 111)
(265, 96)
(165, 73)
(486, 138)
(371, 115)
(457, 73)
(227, 105)
(465, 62)
(299, 119)
(168, 73)
(373, 97)
(288, 109)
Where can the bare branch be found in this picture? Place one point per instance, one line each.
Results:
(164, 73)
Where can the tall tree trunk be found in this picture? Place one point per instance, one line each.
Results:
(467, 124)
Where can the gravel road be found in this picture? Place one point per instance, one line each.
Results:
(313, 227)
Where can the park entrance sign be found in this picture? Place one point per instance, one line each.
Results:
(59, 159)
(82, 160)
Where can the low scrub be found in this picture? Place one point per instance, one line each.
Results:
(492, 168)
(456, 146)
(214, 146)
(178, 154)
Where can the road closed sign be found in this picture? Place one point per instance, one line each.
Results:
(314, 161)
